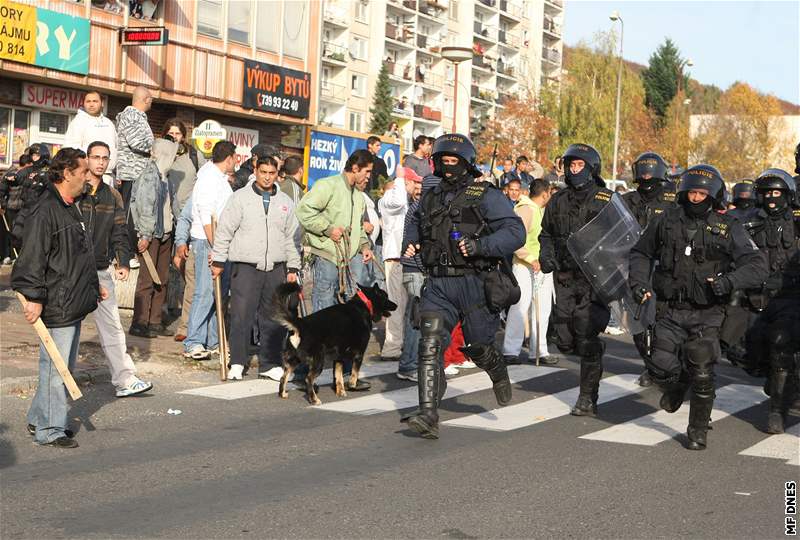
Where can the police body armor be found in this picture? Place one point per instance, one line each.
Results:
(646, 209)
(694, 251)
(570, 218)
(778, 239)
(447, 217)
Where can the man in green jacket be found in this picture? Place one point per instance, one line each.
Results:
(331, 216)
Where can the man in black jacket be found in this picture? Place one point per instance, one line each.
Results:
(379, 169)
(56, 274)
(104, 215)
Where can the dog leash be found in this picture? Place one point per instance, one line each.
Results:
(343, 267)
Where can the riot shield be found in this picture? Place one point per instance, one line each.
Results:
(602, 250)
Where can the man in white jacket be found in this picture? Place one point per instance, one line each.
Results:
(90, 125)
(393, 207)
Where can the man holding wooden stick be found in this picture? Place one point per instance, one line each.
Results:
(55, 273)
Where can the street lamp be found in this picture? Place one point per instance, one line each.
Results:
(615, 16)
(456, 55)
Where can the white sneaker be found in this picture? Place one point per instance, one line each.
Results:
(467, 364)
(614, 331)
(274, 373)
(133, 263)
(197, 352)
(235, 372)
(135, 386)
(450, 371)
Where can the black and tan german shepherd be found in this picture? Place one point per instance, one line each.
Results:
(339, 332)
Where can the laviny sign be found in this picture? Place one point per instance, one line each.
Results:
(276, 89)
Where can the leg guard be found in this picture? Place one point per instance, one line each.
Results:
(793, 387)
(591, 352)
(488, 359)
(674, 390)
(700, 354)
(431, 382)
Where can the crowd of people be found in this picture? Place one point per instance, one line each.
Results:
(458, 256)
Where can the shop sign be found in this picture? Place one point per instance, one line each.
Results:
(39, 96)
(206, 135)
(45, 38)
(244, 139)
(276, 89)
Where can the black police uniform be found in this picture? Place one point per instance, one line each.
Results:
(455, 209)
(772, 341)
(692, 244)
(579, 315)
(654, 194)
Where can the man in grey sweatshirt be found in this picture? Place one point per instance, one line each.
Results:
(259, 234)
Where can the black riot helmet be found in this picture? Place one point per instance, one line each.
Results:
(649, 165)
(703, 177)
(797, 158)
(773, 179)
(591, 157)
(743, 190)
(455, 144)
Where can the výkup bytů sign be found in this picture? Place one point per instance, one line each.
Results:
(276, 89)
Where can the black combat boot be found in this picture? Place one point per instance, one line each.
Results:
(488, 359)
(778, 394)
(430, 381)
(794, 393)
(645, 380)
(591, 371)
(700, 407)
(674, 392)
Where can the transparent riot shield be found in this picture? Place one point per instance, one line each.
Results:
(602, 250)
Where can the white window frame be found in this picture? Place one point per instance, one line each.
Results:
(362, 11)
(358, 90)
(358, 48)
(355, 115)
(221, 16)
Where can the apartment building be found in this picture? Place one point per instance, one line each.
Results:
(516, 48)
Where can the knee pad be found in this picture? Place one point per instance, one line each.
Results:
(430, 324)
(700, 352)
(476, 353)
(592, 348)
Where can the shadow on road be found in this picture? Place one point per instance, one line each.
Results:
(8, 453)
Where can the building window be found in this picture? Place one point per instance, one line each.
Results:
(326, 77)
(21, 134)
(295, 25)
(362, 14)
(209, 17)
(239, 19)
(268, 31)
(358, 49)
(359, 85)
(356, 121)
(453, 10)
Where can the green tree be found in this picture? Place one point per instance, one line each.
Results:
(382, 104)
(661, 77)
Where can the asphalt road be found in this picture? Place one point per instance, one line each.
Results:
(262, 467)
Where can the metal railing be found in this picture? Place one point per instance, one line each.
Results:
(551, 55)
(333, 91)
(507, 38)
(404, 71)
(399, 33)
(551, 26)
(511, 8)
(335, 14)
(481, 62)
(430, 79)
(431, 9)
(506, 69)
(334, 51)
(484, 31)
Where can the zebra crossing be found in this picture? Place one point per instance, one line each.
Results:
(646, 430)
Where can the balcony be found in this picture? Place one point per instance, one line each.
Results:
(335, 93)
(427, 113)
(432, 9)
(483, 32)
(400, 34)
(482, 94)
(480, 62)
(488, 3)
(550, 27)
(402, 108)
(508, 39)
(554, 5)
(506, 70)
(551, 55)
(510, 9)
(400, 71)
(429, 44)
(334, 53)
(335, 16)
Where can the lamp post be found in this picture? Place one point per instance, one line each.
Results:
(456, 55)
(615, 16)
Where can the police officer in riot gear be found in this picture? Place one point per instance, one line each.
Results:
(743, 306)
(461, 230)
(696, 248)
(796, 211)
(772, 341)
(578, 313)
(653, 195)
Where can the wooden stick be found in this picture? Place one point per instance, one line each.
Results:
(223, 339)
(5, 222)
(55, 355)
(151, 268)
(536, 317)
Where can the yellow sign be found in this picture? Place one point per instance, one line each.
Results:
(17, 32)
(207, 134)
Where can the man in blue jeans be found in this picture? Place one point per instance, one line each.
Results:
(55, 272)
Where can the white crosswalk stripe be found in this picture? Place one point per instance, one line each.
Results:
(409, 397)
(545, 408)
(260, 387)
(660, 426)
(785, 446)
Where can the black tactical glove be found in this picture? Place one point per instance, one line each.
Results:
(721, 286)
(472, 247)
(640, 293)
(548, 265)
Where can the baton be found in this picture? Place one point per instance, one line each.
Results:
(536, 314)
(223, 339)
(151, 268)
(55, 355)
(301, 296)
(638, 313)
(5, 222)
